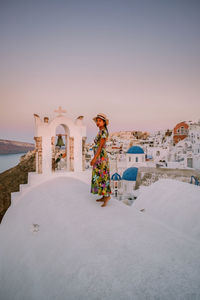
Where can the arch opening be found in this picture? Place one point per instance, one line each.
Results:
(60, 148)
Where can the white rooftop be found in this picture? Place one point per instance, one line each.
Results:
(79, 250)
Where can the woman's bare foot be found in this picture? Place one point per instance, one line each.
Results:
(105, 201)
(101, 199)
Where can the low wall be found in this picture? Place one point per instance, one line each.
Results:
(148, 175)
(178, 172)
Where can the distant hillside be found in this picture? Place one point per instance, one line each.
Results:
(8, 147)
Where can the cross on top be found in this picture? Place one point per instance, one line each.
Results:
(60, 111)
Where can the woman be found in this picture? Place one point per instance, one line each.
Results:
(100, 183)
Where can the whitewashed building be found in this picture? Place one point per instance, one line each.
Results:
(129, 178)
(116, 184)
(194, 137)
(135, 156)
(45, 139)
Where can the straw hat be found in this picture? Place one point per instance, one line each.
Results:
(103, 117)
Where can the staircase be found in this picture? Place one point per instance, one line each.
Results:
(35, 179)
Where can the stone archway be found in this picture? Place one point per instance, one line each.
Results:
(75, 137)
(66, 151)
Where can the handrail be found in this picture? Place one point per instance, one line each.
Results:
(196, 181)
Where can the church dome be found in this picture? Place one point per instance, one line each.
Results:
(116, 176)
(135, 150)
(130, 174)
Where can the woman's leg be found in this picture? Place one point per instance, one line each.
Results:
(106, 199)
(101, 199)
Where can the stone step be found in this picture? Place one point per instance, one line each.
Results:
(23, 187)
(34, 178)
(14, 197)
(31, 177)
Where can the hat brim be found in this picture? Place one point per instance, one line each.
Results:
(95, 118)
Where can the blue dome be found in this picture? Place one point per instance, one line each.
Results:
(116, 176)
(135, 150)
(130, 174)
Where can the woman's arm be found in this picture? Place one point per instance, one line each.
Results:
(102, 142)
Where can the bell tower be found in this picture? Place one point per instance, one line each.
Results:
(48, 143)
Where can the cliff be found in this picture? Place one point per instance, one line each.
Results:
(13, 177)
(8, 147)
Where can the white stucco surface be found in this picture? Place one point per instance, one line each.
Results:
(79, 250)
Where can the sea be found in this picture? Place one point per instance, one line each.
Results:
(8, 161)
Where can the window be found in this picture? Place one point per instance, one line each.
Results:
(129, 158)
(136, 159)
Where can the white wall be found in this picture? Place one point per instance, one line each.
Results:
(133, 160)
(128, 186)
(72, 129)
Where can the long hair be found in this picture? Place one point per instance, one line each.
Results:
(106, 127)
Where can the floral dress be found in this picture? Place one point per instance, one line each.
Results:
(100, 183)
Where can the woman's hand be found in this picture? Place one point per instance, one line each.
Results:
(102, 142)
(92, 161)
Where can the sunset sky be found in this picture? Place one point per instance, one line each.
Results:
(138, 62)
